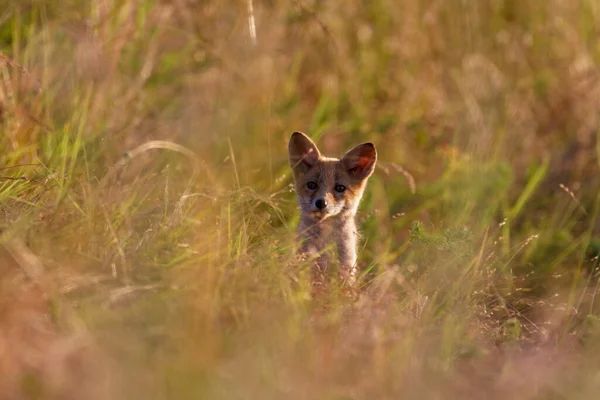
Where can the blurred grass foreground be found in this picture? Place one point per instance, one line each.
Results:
(147, 221)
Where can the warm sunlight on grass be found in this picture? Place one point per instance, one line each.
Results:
(147, 218)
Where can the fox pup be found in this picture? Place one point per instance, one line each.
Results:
(329, 191)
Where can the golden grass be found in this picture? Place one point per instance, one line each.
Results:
(147, 218)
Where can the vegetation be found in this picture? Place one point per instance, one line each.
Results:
(147, 221)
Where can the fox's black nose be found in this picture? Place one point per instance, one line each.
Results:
(320, 204)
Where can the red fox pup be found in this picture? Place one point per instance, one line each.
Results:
(329, 191)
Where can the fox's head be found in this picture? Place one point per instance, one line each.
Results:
(329, 186)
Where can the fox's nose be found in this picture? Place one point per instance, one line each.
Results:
(321, 204)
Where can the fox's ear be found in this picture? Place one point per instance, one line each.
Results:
(360, 161)
(303, 153)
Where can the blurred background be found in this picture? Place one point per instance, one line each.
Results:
(147, 218)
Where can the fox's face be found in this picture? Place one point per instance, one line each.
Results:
(327, 187)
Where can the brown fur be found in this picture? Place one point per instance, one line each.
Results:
(333, 225)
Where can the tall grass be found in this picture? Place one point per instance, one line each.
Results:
(147, 218)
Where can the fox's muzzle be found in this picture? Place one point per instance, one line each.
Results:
(321, 204)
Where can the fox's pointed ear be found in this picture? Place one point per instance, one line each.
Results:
(360, 161)
(303, 153)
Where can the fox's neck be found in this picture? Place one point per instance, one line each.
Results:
(327, 229)
(339, 232)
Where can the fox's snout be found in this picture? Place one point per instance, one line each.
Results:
(321, 203)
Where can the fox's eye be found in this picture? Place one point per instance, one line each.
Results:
(340, 188)
(311, 185)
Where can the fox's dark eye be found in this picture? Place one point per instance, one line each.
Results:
(340, 188)
(311, 185)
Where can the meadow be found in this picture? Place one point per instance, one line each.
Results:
(147, 216)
